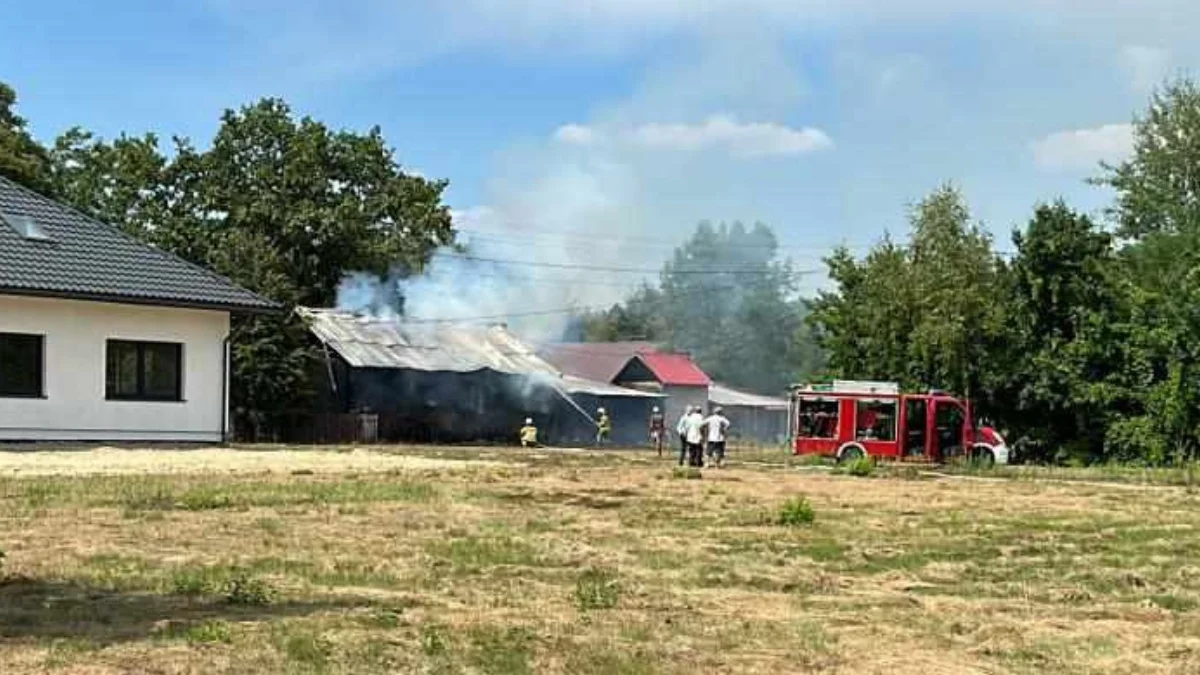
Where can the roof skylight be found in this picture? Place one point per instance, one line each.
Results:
(26, 226)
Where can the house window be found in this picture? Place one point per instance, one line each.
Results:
(144, 371)
(21, 365)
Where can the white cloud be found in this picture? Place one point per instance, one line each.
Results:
(741, 140)
(1145, 67)
(575, 134)
(719, 132)
(1083, 148)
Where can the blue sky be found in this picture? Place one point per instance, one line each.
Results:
(610, 119)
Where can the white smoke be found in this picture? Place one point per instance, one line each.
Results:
(583, 216)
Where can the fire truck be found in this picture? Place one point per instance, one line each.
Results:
(850, 419)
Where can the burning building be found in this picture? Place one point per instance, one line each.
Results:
(447, 382)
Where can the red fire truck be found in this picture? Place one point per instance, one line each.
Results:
(849, 419)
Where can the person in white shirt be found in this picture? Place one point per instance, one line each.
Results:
(681, 429)
(695, 437)
(717, 427)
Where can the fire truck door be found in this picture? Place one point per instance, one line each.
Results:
(949, 418)
(915, 433)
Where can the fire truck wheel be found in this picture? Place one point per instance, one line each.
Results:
(982, 456)
(850, 453)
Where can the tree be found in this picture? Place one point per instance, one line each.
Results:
(22, 158)
(329, 202)
(727, 299)
(638, 317)
(1063, 377)
(927, 315)
(124, 183)
(1158, 212)
(1158, 188)
(285, 207)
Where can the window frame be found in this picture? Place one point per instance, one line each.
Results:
(836, 417)
(41, 388)
(894, 404)
(140, 348)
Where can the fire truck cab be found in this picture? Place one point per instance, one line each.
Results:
(850, 419)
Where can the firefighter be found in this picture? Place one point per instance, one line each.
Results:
(603, 427)
(658, 429)
(529, 434)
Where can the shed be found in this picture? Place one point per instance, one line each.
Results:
(636, 365)
(446, 382)
(751, 416)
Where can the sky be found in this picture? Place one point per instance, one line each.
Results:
(600, 131)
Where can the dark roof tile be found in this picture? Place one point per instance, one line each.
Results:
(87, 259)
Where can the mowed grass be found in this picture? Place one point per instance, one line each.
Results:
(582, 563)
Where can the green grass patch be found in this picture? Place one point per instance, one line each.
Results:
(502, 651)
(597, 588)
(796, 512)
(473, 553)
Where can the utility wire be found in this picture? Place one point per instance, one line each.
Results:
(604, 268)
(589, 240)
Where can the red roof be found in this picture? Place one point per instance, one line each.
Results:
(603, 361)
(677, 370)
(599, 361)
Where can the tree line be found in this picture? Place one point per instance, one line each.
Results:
(727, 298)
(284, 206)
(1083, 344)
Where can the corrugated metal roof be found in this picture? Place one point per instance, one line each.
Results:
(369, 342)
(725, 396)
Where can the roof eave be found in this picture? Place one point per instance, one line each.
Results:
(175, 303)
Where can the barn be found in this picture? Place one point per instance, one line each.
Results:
(456, 383)
(636, 365)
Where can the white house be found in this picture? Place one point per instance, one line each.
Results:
(104, 338)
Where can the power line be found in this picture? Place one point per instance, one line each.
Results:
(588, 241)
(628, 270)
(510, 315)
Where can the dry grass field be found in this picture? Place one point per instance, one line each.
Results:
(474, 561)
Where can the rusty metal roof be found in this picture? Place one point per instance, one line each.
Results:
(370, 342)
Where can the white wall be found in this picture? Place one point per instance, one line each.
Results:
(74, 407)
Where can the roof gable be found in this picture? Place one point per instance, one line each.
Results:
(602, 361)
(85, 259)
(676, 370)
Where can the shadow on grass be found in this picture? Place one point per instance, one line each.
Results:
(35, 608)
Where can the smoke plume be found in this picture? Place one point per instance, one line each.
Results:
(583, 216)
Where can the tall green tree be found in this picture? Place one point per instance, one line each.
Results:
(286, 207)
(928, 314)
(1063, 378)
(22, 158)
(124, 182)
(1157, 211)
